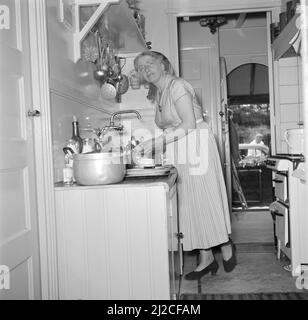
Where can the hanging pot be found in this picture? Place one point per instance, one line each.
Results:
(100, 75)
(109, 89)
(123, 84)
(295, 140)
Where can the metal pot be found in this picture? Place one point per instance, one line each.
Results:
(295, 140)
(98, 168)
(100, 75)
(109, 89)
(123, 84)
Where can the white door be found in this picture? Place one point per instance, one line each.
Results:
(19, 249)
(199, 65)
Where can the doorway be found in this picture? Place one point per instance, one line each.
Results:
(250, 135)
(242, 40)
(252, 229)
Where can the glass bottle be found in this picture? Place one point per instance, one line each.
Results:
(76, 137)
(87, 145)
(68, 174)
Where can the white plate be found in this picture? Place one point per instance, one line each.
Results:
(147, 172)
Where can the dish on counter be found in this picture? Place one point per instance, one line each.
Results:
(146, 163)
(148, 172)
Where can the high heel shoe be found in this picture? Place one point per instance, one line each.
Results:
(230, 264)
(196, 275)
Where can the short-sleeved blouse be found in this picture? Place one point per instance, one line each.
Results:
(174, 90)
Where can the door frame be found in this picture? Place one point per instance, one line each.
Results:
(43, 133)
(272, 14)
(43, 149)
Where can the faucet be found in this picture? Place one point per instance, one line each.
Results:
(100, 132)
(122, 112)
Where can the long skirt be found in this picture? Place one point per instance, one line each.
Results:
(204, 216)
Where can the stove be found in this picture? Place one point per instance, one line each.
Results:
(284, 162)
(283, 166)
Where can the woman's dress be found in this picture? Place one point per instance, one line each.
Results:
(202, 198)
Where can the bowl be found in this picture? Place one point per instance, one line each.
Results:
(98, 168)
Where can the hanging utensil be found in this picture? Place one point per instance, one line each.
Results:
(101, 74)
(109, 89)
(123, 84)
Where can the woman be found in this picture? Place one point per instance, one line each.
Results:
(202, 198)
(257, 142)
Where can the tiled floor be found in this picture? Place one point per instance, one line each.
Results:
(258, 269)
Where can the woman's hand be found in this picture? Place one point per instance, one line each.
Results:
(146, 147)
(142, 150)
(151, 146)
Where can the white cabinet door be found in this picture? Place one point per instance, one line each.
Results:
(113, 242)
(18, 211)
(299, 223)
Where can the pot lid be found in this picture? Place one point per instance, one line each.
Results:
(97, 156)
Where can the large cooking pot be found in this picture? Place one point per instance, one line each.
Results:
(295, 140)
(98, 168)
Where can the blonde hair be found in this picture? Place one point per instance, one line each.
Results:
(161, 58)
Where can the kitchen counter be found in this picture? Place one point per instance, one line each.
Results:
(167, 180)
(119, 241)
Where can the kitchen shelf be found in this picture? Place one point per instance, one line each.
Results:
(117, 19)
(281, 47)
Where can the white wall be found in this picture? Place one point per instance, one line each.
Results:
(156, 24)
(290, 99)
(73, 90)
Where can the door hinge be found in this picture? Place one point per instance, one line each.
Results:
(33, 113)
(180, 235)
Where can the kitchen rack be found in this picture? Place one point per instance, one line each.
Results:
(281, 47)
(117, 18)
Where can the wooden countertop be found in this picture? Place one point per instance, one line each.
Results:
(166, 180)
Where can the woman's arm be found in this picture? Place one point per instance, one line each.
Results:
(184, 109)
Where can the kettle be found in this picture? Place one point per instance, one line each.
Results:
(295, 140)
